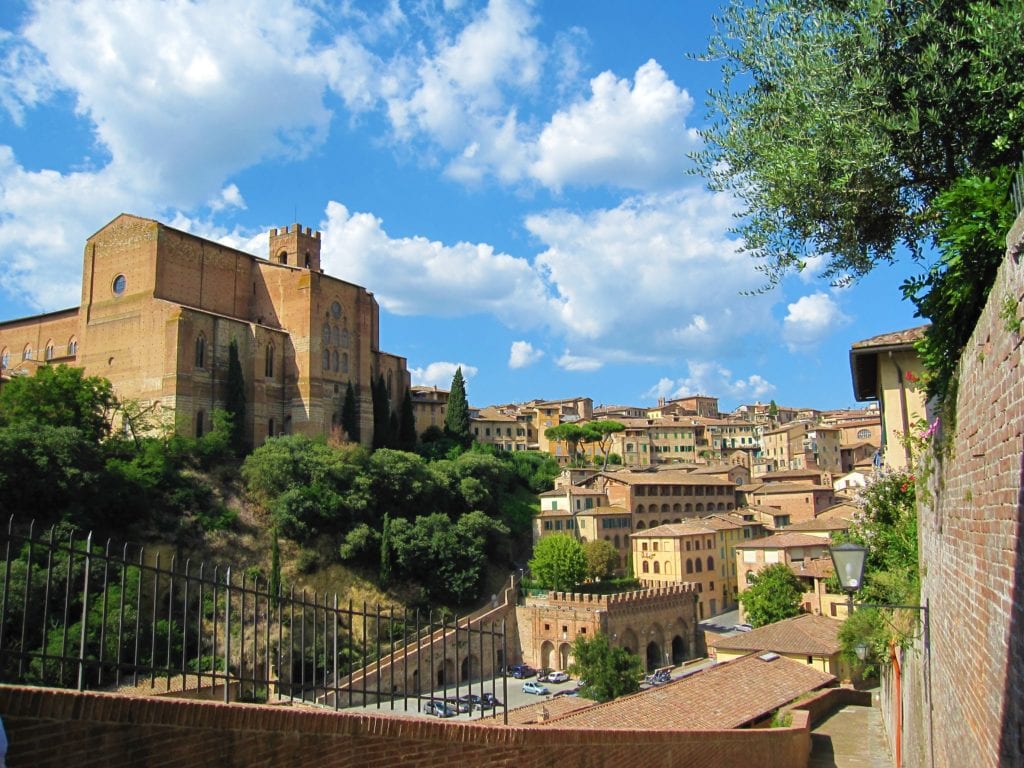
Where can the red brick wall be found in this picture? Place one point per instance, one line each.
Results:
(967, 689)
(47, 727)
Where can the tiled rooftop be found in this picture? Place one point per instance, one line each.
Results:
(804, 634)
(728, 695)
(783, 541)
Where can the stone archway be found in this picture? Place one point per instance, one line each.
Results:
(470, 668)
(653, 656)
(628, 640)
(446, 673)
(564, 656)
(547, 650)
(678, 650)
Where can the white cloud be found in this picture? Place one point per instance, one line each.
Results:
(629, 137)
(522, 354)
(810, 319)
(571, 362)
(428, 277)
(158, 116)
(655, 276)
(440, 374)
(229, 197)
(711, 378)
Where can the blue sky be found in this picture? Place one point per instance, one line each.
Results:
(509, 178)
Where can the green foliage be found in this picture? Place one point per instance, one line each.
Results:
(234, 399)
(456, 416)
(609, 672)
(887, 526)
(974, 215)
(59, 396)
(558, 562)
(350, 414)
(361, 544)
(602, 559)
(535, 469)
(774, 595)
(839, 123)
(385, 551)
(382, 436)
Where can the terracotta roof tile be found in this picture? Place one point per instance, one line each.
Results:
(805, 634)
(728, 695)
(783, 541)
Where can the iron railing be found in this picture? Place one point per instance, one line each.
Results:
(74, 614)
(1017, 188)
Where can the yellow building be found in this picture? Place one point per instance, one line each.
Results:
(681, 552)
(429, 406)
(160, 308)
(807, 639)
(887, 369)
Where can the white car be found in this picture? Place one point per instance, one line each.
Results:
(531, 687)
(558, 677)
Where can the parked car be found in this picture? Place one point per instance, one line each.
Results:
(520, 671)
(438, 709)
(658, 677)
(531, 687)
(743, 627)
(459, 705)
(558, 676)
(542, 674)
(489, 700)
(472, 701)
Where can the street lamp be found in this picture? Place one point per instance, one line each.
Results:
(848, 560)
(861, 649)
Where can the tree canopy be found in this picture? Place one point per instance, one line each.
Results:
(839, 123)
(608, 672)
(558, 562)
(775, 595)
(60, 396)
(602, 558)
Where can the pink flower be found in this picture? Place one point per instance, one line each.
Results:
(932, 429)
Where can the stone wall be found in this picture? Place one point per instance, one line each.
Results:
(963, 687)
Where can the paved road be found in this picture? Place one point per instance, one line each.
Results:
(853, 737)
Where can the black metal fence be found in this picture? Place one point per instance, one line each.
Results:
(1017, 188)
(77, 615)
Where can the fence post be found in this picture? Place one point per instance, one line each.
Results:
(227, 633)
(85, 614)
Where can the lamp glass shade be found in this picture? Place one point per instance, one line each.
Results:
(861, 649)
(848, 560)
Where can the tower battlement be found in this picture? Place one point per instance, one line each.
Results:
(295, 246)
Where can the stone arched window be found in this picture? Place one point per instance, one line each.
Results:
(326, 362)
(336, 336)
(5, 358)
(48, 354)
(689, 565)
(268, 368)
(640, 509)
(73, 346)
(640, 526)
(26, 353)
(326, 334)
(700, 507)
(616, 541)
(200, 351)
(344, 362)
(336, 363)
(657, 567)
(711, 563)
(645, 568)
(282, 257)
(668, 567)
(688, 508)
(699, 566)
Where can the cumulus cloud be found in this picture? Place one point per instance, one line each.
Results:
(229, 197)
(440, 374)
(522, 354)
(712, 378)
(662, 277)
(634, 137)
(429, 277)
(810, 319)
(157, 116)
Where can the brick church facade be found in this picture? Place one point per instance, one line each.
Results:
(161, 306)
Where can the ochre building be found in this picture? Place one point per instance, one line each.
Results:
(161, 306)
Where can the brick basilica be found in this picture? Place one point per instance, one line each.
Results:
(161, 306)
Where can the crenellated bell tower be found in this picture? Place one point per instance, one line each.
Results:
(295, 246)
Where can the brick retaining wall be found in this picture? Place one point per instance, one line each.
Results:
(58, 728)
(964, 698)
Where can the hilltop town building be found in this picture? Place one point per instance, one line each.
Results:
(160, 308)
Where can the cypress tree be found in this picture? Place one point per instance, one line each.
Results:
(350, 414)
(381, 413)
(456, 417)
(407, 424)
(235, 398)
